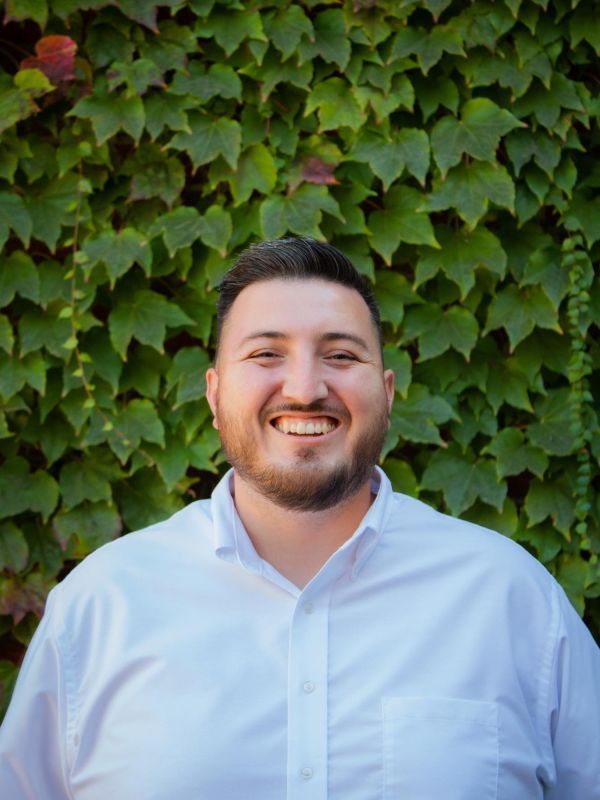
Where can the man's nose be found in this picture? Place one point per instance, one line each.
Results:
(304, 383)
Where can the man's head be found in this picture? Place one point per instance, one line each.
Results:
(292, 259)
(298, 393)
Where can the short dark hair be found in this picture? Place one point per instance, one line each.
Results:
(291, 259)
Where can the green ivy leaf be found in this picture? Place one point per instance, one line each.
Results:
(337, 105)
(514, 455)
(519, 312)
(146, 500)
(387, 159)
(401, 220)
(15, 372)
(583, 214)
(470, 187)
(417, 417)
(164, 179)
(14, 215)
(551, 431)
(401, 476)
(231, 28)
(52, 207)
(219, 80)
(209, 139)
(507, 383)
(463, 479)
(217, 229)
(433, 94)
(287, 29)
(165, 110)
(145, 317)
(552, 499)
(7, 338)
(428, 46)
(36, 10)
(172, 462)
(393, 292)
(478, 133)
(299, 212)
(14, 551)
(438, 330)
(112, 113)
(118, 251)
(256, 170)
(21, 490)
(88, 479)
(330, 40)
(523, 145)
(49, 331)
(18, 275)
(180, 228)
(138, 75)
(585, 24)
(187, 374)
(460, 254)
(92, 525)
(546, 103)
(400, 362)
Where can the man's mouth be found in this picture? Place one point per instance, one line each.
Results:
(315, 426)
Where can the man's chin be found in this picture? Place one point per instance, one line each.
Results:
(306, 485)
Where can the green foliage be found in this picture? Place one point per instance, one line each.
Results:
(447, 146)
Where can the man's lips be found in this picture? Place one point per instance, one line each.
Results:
(304, 425)
(315, 421)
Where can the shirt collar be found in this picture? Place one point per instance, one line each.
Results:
(232, 543)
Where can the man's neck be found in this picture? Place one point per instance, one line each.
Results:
(298, 543)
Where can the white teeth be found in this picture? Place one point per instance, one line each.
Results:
(304, 428)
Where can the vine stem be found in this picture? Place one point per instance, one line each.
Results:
(73, 342)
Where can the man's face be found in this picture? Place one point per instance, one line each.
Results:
(299, 394)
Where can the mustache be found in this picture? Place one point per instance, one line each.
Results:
(316, 407)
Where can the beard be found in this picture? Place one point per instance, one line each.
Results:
(306, 484)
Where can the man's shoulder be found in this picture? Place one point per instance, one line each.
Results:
(425, 529)
(168, 544)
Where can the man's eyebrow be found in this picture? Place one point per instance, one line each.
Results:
(330, 336)
(265, 335)
(336, 336)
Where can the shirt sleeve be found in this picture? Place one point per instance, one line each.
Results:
(575, 709)
(32, 736)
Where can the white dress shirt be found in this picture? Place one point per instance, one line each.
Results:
(429, 659)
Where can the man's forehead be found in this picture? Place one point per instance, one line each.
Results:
(287, 304)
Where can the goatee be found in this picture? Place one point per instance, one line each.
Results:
(306, 484)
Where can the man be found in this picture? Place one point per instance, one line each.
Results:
(306, 633)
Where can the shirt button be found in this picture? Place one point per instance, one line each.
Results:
(308, 687)
(308, 608)
(306, 773)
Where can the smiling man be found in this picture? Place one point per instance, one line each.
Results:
(306, 632)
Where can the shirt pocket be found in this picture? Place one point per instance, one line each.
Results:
(439, 748)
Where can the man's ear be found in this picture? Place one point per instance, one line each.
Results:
(388, 378)
(212, 386)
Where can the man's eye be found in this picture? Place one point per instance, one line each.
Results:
(342, 357)
(264, 354)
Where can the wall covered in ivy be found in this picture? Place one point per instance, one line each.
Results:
(449, 147)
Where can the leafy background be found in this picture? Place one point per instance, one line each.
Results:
(449, 147)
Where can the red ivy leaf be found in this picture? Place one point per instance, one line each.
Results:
(18, 597)
(55, 58)
(317, 171)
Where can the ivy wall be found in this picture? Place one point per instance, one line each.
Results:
(450, 148)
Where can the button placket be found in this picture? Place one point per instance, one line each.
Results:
(307, 702)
